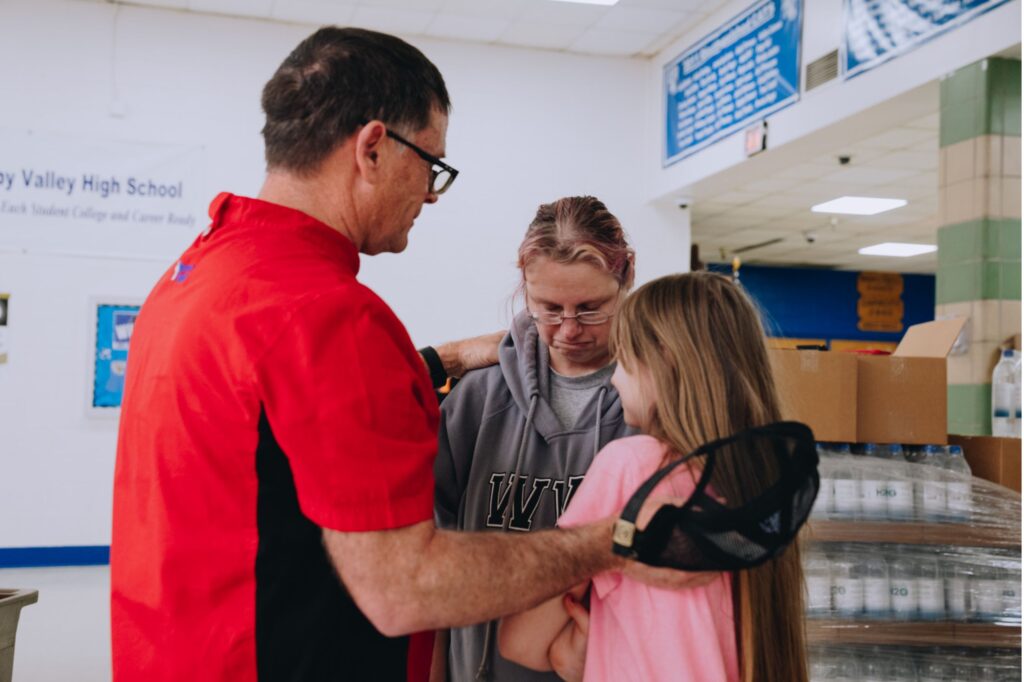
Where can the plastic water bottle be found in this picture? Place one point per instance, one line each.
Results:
(899, 486)
(957, 574)
(817, 576)
(847, 584)
(934, 668)
(845, 483)
(1016, 394)
(958, 484)
(903, 586)
(846, 669)
(874, 500)
(1010, 594)
(1005, 396)
(931, 598)
(872, 669)
(823, 503)
(900, 668)
(930, 488)
(987, 593)
(877, 601)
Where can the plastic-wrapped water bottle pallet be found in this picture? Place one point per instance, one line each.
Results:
(950, 634)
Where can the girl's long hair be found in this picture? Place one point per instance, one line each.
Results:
(699, 339)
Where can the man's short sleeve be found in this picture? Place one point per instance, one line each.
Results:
(350, 403)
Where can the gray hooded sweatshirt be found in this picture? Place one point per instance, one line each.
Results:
(505, 462)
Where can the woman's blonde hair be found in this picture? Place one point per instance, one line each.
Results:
(575, 229)
(699, 339)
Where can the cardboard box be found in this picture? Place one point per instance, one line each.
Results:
(993, 459)
(848, 397)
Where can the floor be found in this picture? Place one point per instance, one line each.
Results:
(66, 635)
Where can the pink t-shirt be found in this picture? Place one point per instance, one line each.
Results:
(638, 632)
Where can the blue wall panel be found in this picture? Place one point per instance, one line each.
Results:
(814, 303)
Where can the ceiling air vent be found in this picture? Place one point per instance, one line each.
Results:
(822, 70)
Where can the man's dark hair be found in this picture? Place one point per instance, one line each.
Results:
(336, 80)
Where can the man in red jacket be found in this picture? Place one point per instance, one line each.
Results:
(278, 429)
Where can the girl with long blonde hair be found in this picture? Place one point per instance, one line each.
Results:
(692, 368)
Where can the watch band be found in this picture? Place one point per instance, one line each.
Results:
(438, 377)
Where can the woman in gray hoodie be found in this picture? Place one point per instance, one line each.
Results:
(516, 439)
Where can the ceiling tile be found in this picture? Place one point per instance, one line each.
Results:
(167, 4)
(318, 12)
(928, 179)
(816, 192)
(488, 8)
(803, 171)
(564, 13)
(898, 138)
(240, 8)
(697, 6)
(613, 43)
(640, 19)
(391, 20)
(421, 5)
(929, 145)
(461, 27)
(929, 122)
(700, 207)
(760, 212)
(735, 198)
(723, 222)
(866, 176)
(549, 36)
(772, 184)
(783, 200)
(906, 158)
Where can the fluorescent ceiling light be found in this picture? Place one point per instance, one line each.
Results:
(591, 2)
(897, 249)
(859, 205)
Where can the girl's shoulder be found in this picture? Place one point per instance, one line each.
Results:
(634, 452)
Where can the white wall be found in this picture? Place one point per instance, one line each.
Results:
(887, 95)
(528, 126)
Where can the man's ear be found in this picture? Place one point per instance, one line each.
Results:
(369, 141)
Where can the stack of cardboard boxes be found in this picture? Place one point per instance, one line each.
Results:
(898, 398)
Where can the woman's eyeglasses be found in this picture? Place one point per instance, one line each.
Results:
(587, 317)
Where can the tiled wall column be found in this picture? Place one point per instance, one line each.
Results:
(979, 271)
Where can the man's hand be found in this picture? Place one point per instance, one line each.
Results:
(458, 357)
(664, 578)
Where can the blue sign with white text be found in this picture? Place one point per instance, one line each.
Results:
(114, 326)
(875, 31)
(746, 70)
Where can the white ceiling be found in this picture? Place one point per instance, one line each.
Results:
(628, 29)
(899, 163)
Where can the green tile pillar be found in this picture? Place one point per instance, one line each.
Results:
(979, 228)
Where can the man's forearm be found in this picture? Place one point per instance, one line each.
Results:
(422, 579)
(496, 574)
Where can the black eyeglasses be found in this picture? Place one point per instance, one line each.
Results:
(441, 174)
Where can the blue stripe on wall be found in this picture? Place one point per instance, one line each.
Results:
(30, 557)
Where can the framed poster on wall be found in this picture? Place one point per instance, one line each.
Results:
(113, 324)
(875, 31)
(745, 70)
